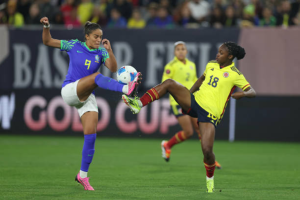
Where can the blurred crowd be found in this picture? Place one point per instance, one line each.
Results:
(152, 13)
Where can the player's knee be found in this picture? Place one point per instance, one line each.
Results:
(189, 133)
(171, 85)
(169, 82)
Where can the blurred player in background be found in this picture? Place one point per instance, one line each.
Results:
(183, 71)
(206, 100)
(81, 81)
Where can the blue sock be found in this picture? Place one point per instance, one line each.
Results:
(108, 83)
(88, 151)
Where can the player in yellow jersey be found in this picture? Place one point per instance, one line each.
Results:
(206, 100)
(183, 71)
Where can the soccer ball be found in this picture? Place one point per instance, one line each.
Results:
(126, 74)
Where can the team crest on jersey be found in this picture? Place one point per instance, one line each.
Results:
(226, 74)
(168, 71)
(97, 59)
(191, 67)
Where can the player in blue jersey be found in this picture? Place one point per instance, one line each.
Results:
(81, 80)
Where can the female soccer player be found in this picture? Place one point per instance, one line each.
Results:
(81, 80)
(206, 100)
(184, 72)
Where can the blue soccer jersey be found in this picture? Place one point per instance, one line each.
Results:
(83, 61)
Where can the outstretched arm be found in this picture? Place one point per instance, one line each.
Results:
(197, 84)
(249, 93)
(110, 62)
(47, 39)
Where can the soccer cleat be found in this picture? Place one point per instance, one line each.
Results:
(210, 185)
(132, 85)
(84, 182)
(166, 151)
(132, 103)
(218, 166)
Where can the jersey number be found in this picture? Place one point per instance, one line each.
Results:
(213, 81)
(188, 77)
(88, 63)
(211, 116)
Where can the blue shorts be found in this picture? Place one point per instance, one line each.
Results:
(197, 111)
(176, 110)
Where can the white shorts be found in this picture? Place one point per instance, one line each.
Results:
(69, 95)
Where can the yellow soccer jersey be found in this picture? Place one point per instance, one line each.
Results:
(182, 73)
(216, 89)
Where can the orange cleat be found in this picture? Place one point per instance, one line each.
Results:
(218, 166)
(166, 151)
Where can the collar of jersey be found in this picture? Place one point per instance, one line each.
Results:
(232, 64)
(84, 44)
(186, 60)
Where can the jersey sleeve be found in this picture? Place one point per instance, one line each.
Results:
(67, 45)
(241, 82)
(168, 72)
(104, 55)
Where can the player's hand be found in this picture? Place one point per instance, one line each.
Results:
(45, 21)
(238, 95)
(106, 44)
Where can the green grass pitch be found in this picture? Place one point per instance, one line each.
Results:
(40, 167)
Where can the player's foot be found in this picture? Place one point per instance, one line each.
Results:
(218, 166)
(132, 85)
(166, 151)
(84, 182)
(210, 185)
(132, 103)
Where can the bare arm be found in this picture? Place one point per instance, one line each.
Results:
(249, 93)
(197, 84)
(47, 39)
(111, 62)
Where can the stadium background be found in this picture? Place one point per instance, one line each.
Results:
(30, 86)
(142, 33)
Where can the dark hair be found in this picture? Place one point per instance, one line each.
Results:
(235, 50)
(90, 27)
